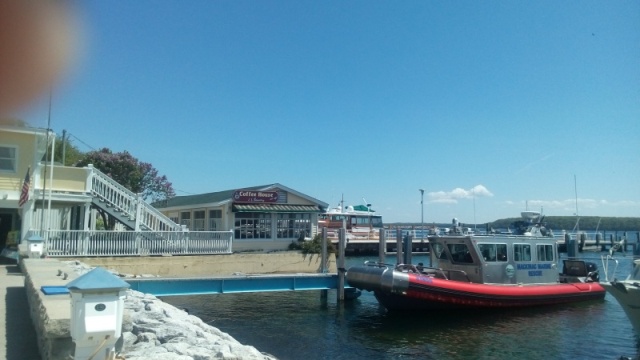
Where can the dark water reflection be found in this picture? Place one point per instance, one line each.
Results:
(300, 325)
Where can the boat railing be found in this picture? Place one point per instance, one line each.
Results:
(432, 271)
(423, 270)
(605, 266)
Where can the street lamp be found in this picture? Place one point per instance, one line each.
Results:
(422, 212)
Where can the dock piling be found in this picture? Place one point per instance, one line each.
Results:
(408, 249)
(399, 246)
(341, 269)
(382, 246)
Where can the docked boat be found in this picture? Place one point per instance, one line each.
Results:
(360, 222)
(627, 291)
(483, 271)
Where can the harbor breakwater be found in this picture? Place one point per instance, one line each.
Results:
(152, 328)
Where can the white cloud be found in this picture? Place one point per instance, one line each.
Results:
(452, 197)
(568, 206)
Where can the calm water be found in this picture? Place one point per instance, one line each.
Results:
(299, 325)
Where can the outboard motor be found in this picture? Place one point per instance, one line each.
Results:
(592, 272)
(579, 270)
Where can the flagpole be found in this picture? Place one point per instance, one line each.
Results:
(44, 178)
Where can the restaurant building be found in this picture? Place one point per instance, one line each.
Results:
(262, 218)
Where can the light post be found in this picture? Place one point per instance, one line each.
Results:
(422, 212)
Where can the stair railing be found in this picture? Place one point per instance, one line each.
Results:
(130, 204)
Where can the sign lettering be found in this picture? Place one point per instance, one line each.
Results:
(252, 196)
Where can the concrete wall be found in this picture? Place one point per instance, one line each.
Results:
(184, 266)
(51, 314)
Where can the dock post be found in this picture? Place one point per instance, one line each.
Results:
(399, 246)
(341, 269)
(323, 268)
(572, 245)
(382, 246)
(408, 249)
(583, 240)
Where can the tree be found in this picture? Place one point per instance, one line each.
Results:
(139, 177)
(72, 155)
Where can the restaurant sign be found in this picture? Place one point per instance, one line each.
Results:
(252, 196)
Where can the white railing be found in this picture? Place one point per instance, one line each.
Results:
(67, 243)
(129, 204)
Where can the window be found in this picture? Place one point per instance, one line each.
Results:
(438, 250)
(493, 252)
(185, 219)
(545, 252)
(7, 159)
(294, 225)
(522, 252)
(198, 220)
(252, 226)
(460, 253)
(215, 220)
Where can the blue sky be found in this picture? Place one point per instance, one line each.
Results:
(489, 106)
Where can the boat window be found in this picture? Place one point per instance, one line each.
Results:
(522, 252)
(438, 251)
(545, 252)
(502, 252)
(488, 251)
(493, 252)
(460, 253)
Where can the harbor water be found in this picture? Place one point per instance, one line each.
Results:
(301, 325)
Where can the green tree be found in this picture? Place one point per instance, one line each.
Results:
(66, 153)
(139, 177)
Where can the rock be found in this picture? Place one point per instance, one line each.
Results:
(153, 329)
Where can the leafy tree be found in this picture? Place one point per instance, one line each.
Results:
(139, 177)
(72, 155)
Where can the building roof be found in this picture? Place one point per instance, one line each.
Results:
(224, 196)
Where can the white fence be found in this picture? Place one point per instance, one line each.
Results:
(66, 243)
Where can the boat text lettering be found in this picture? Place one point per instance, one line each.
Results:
(534, 266)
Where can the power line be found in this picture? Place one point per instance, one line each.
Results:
(84, 143)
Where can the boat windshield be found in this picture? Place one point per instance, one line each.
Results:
(460, 253)
(493, 252)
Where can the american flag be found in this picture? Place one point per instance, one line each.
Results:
(24, 195)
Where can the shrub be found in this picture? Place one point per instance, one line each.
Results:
(313, 246)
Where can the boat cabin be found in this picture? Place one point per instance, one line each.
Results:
(359, 221)
(496, 259)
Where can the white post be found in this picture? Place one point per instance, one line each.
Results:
(53, 143)
(97, 304)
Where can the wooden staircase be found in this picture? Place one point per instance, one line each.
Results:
(127, 207)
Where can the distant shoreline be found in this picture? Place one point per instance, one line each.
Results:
(556, 223)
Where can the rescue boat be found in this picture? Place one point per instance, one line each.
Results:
(483, 271)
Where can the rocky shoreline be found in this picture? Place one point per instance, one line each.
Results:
(153, 329)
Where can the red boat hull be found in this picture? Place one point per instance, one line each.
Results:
(425, 292)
